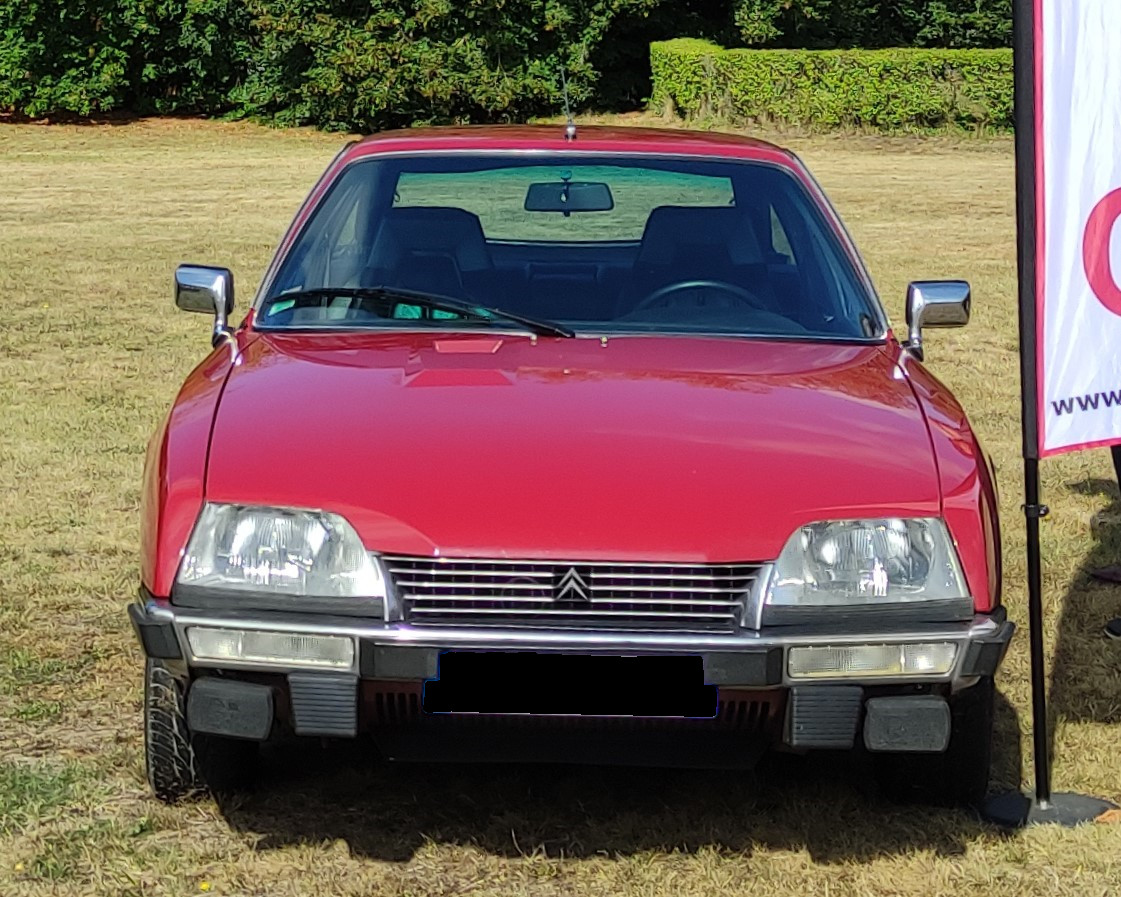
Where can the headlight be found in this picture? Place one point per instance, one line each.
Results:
(853, 562)
(280, 551)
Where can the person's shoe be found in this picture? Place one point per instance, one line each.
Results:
(1113, 628)
(1111, 573)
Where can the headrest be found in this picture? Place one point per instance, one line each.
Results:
(431, 229)
(672, 230)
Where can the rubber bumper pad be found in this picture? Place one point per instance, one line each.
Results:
(824, 716)
(227, 707)
(324, 704)
(910, 724)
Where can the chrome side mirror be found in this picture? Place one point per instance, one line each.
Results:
(935, 303)
(201, 288)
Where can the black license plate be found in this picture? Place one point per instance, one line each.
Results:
(564, 684)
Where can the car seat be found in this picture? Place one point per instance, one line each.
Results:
(682, 243)
(432, 249)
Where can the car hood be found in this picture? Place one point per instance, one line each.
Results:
(638, 448)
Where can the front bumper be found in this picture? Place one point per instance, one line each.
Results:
(378, 686)
(745, 659)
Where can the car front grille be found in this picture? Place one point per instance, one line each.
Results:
(393, 705)
(576, 594)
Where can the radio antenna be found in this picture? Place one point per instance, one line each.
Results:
(570, 125)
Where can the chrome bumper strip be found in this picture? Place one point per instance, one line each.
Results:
(982, 628)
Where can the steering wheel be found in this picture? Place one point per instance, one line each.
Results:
(730, 290)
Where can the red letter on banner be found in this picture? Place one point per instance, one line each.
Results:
(1095, 251)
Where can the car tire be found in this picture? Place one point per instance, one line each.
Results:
(959, 776)
(179, 763)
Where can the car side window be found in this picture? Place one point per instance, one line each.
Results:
(337, 253)
(824, 291)
(780, 243)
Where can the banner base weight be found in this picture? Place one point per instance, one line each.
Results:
(1018, 810)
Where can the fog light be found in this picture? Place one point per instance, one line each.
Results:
(863, 661)
(284, 649)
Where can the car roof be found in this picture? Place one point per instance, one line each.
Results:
(589, 138)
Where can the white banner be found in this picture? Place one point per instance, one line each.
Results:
(1078, 222)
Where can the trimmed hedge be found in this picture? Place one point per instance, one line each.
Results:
(885, 90)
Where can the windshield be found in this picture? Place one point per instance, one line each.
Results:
(611, 245)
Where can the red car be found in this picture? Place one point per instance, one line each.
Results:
(554, 446)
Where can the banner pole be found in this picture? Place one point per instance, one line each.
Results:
(1015, 810)
(1033, 512)
(1024, 74)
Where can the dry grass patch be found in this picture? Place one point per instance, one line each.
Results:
(93, 221)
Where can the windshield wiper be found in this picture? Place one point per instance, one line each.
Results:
(436, 302)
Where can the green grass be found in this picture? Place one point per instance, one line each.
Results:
(23, 668)
(92, 223)
(37, 709)
(30, 791)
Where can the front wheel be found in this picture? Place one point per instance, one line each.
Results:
(180, 764)
(960, 774)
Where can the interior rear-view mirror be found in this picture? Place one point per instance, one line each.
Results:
(568, 197)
